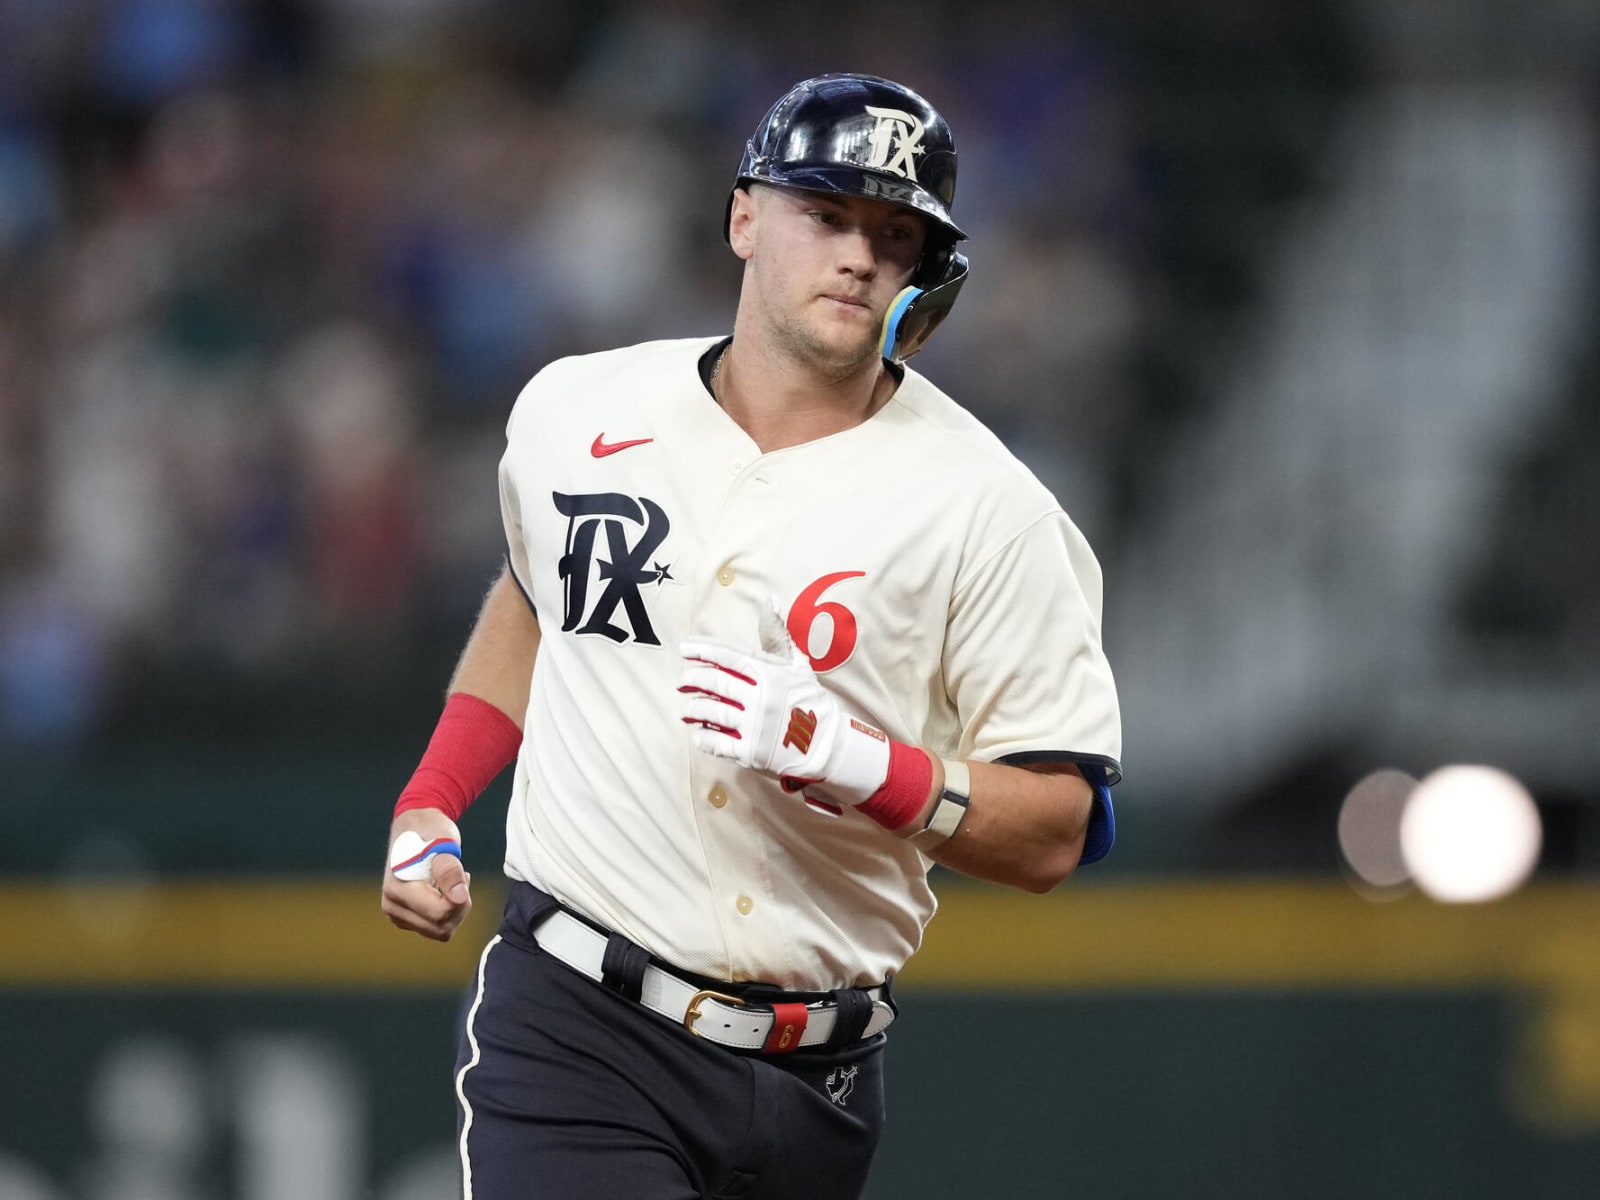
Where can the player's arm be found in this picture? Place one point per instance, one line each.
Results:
(477, 736)
(1024, 826)
(1047, 695)
(496, 664)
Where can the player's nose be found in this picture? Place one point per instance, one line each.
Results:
(857, 253)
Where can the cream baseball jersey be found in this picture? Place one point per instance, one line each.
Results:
(937, 587)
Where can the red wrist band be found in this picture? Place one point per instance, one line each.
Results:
(905, 791)
(472, 743)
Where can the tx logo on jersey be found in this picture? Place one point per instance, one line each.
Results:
(633, 530)
(840, 1083)
(896, 133)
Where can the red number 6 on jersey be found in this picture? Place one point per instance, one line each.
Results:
(807, 609)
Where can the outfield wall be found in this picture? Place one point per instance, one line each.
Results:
(1198, 1039)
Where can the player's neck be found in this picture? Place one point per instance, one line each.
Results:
(780, 402)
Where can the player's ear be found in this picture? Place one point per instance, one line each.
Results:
(741, 218)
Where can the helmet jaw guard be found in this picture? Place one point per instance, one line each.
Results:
(918, 311)
(861, 135)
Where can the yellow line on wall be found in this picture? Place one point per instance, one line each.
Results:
(298, 934)
(1255, 934)
(266, 934)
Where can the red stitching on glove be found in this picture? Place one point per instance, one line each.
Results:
(725, 670)
(472, 743)
(713, 726)
(690, 690)
(904, 793)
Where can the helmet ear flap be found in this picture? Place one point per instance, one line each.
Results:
(934, 268)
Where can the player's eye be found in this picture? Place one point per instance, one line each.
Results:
(824, 218)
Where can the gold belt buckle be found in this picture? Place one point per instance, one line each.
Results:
(692, 1014)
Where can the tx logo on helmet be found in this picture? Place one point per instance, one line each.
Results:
(874, 188)
(898, 133)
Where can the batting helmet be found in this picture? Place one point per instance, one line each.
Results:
(860, 135)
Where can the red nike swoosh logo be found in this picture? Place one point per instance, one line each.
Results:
(600, 449)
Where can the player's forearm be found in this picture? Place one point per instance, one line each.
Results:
(472, 744)
(1024, 827)
(480, 730)
(496, 665)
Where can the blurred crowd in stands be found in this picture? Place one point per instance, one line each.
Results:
(272, 273)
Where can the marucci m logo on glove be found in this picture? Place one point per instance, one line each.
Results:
(802, 725)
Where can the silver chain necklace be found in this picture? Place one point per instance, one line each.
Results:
(716, 370)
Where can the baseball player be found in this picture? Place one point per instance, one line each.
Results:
(781, 626)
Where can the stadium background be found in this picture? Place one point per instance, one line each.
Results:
(1293, 305)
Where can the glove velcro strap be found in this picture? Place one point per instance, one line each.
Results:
(905, 791)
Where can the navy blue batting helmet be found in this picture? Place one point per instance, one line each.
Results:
(861, 135)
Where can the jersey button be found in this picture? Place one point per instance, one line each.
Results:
(718, 796)
(745, 904)
(726, 577)
(736, 466)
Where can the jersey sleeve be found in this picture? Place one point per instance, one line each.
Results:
(1025, 668)
(511, 510)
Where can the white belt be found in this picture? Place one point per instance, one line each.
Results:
(709, 1014)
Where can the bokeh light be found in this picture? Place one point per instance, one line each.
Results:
(1470, 834)
(1369, 829)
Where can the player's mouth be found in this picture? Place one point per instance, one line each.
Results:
(848, 301)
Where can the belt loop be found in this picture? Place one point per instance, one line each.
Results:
(532, 905)
(622, 967)
(788, 1026)
(855, 1010)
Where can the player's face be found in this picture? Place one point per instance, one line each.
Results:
(824, 269)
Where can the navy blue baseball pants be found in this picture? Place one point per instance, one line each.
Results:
(567, 1089)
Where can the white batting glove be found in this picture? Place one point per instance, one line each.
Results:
(769, 712)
